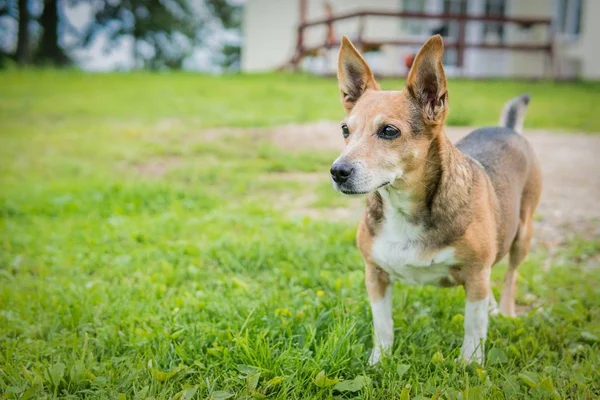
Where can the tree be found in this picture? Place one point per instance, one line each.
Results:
(49, 50)
(7, 11)
(230, 16)
(229, 13)
(44, 48)
(23, 43)
(163, 32)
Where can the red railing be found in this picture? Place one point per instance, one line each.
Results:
(460, 44)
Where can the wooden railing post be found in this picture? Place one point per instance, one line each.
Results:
(300, 34)
(361, 28)
(299, 47)
(461, 44)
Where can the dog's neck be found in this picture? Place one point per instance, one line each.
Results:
(439, 187)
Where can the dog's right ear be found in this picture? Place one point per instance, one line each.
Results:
(354, 75)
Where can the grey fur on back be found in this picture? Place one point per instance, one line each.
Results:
(508, 160)
(513, 114)
(500, 145)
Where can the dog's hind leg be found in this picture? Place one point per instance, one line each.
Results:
(522, 241)
(518, 251)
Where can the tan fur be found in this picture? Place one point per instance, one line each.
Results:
(376, 280)
(520, 246)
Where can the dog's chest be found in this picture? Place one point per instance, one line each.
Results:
(397, 250)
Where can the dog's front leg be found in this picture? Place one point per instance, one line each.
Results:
(477, 287)
(380, 291)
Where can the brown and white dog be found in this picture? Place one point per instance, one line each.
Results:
(437, 213)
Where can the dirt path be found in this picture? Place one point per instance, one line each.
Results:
(570, 164)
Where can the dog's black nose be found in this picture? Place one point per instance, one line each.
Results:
(341, 171)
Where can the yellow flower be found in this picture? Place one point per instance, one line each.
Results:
(320, 293)
(283, 312)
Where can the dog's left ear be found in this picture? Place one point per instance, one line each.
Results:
(426, 81)
(354, 75)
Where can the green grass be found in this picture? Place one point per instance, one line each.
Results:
(264, 100)
(142, 258)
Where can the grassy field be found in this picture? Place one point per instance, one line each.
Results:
(264, 100)
(143, 257)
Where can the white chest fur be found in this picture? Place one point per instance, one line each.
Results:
(397, 250)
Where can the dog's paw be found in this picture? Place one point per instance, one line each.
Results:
(471, 354)
(375, 356)
(494, 311)
(493, 306)
(508, 312)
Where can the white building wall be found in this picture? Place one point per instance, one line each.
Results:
(528, 64)
(270, 32)
(585, 49)
(590, 41)
(477, 62)
(269, 29)
(270, 38)
(577, 56)
(375, 28)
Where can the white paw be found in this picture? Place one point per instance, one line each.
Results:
(493, 306)
(508, 312)
(375, 356)
(470, 353)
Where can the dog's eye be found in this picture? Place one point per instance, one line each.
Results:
(388, 132)
(345, 130)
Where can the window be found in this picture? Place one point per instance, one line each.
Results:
(494, 8)
(455, 6)
(414, 26)
(451, 28)
(567, 18)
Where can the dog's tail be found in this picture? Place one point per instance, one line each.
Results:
(513, 114)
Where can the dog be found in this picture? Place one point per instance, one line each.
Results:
(436, 213)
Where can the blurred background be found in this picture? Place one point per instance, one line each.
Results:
(122, 35)
(484, 38)
(168, 229)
